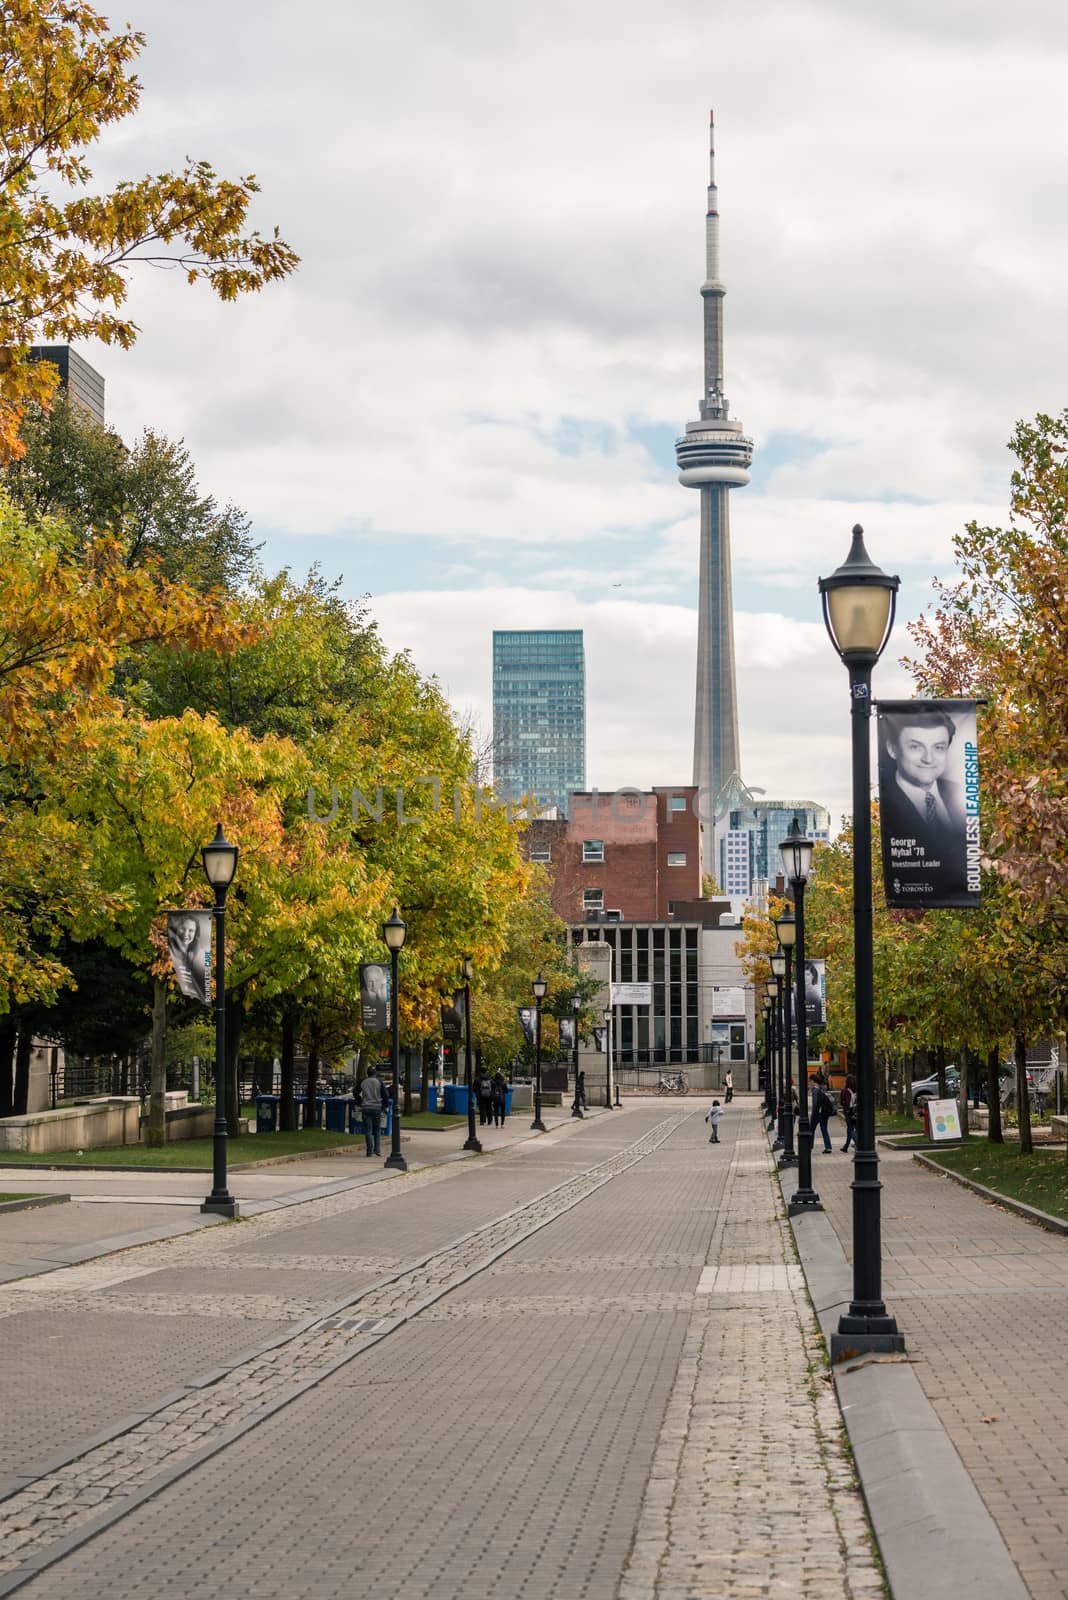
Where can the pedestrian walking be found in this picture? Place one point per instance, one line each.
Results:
(500, 1098)
(820, 1111)
(580, 1090)
(484, 1092)
(848, 1102)
(714, 1115)
(728, 1084)
(372, 1102)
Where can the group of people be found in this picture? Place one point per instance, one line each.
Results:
(823, 1108)
(373, 1097)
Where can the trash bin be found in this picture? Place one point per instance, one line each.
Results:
(266, 1113)
(335, 1113)
(456, 1099)
(356, 1121)
(432, 1097)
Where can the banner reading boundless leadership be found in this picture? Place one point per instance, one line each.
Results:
(929, 802)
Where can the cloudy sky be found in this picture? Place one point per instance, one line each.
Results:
(466, 401)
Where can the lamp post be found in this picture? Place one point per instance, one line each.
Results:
(576, 1007)
(797, 859)
(393, 932)
(220, 864)
(539, 987)
(472, 1142)
(608, 1059)
(769, 1066)
(780, 966)
(858, 609)
(771, 989)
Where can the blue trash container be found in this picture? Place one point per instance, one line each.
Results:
(432, 1097)
(356, 1121)
(267, 1113)
(335, 1113)
(456, 1099)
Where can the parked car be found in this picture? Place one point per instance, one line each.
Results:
(927, 1088)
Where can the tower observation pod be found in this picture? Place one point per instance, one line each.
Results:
(714, 456)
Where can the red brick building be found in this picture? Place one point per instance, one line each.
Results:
(633, 853)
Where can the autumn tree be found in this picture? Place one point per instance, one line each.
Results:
(66, 250)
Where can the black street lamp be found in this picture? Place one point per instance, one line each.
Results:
(771, 989)
(539, 987)
(797, 861)
(858, 609)
(769, 1066)
(472, 1142)
(393, 932)
(220, 864)
(608, 1060)
(780, 967)
(576, 1007)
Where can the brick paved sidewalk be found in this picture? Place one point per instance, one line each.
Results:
(981, 1297)
(640, 1362)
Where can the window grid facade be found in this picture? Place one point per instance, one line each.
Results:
(539, 714)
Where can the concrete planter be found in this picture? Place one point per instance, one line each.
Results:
(89, 1125)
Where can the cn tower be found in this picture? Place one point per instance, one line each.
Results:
(713, 456)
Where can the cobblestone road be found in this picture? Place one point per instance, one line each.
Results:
(980, 1296)
(626, 1347)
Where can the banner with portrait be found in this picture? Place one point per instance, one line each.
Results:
(567, 1033)
(815, 994)
(189, 943)
(600, 1040)
(452, 1017)
(374, 996)
(526, 1022)
(929, 802)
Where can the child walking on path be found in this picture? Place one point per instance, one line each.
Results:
(714, 1115)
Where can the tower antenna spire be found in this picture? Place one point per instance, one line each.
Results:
(714, 456)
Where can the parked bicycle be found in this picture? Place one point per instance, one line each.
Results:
(672, 1083)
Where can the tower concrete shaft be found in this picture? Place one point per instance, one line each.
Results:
(714, 456)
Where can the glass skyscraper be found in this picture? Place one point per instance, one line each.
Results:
(539, 714)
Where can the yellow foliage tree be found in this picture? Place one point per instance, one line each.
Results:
(65, 252)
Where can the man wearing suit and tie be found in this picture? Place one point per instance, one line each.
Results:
(922, 811)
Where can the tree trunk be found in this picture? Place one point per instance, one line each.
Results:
(963, 1092)
(941, 1058)
(313, 1071)
(995, 1133)
(7, 1065)
(287, 1111)
(23, 1052)
(1023, 1099)
(156, 1132)
(235, 1016)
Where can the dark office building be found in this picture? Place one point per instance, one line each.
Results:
(82, 382)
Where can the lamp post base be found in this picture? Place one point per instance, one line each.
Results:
(863, 1336)
(787, 1159)
(223, 1206)
(804, 1200)
(396, 1161)
(576, 1111)
(538, 1126)
(471, 1143)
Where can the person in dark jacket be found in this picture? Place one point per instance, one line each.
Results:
(848, 1102)
(484, 1094)
(822, 1106)
(500, 1098)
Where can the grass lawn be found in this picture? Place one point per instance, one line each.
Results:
(892, 1122)
(198, 1152)
(5, 1197)
(1038, 1180)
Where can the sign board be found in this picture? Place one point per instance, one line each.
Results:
(632, 994)
(374, 996)
(929, 802)
(728, 1000)
(944, 1119)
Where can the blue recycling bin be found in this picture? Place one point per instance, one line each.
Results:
(432, 1097)
(335, 1113)
(456, 1099)
(267, 1113)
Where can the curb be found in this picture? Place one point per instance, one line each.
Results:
(934, 1533)
(1042, 1219)
(31, 1202)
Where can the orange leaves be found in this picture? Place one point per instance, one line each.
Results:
(64, 77)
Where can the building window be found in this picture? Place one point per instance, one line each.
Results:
(676, 802)
(593, 899)
(592, 850)
(676, 858)
(542, 853)
(671, 907)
